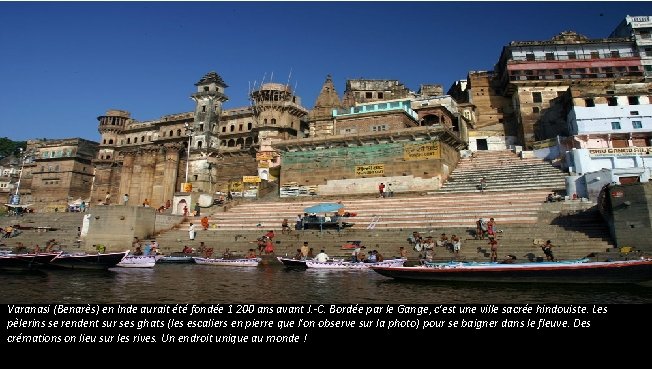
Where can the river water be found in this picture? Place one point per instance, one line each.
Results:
(273, 284)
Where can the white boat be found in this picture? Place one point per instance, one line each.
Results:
(348, 265)
(228, 262)
(138, 261)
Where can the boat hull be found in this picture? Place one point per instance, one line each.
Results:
(632, 271)
(293, 263)
(347, 265)
(228, 262)
(137, 261)
(173, 259)
(82, 261)
(25, 261)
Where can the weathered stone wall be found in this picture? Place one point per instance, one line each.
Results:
(630, 218)
(165, 222)
(116, 226)
(338, 170)
(530, 111)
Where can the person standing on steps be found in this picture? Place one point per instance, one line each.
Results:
(125, 199)
(483, 184)
(191, 231)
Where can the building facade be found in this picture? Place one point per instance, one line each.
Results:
(638, 28)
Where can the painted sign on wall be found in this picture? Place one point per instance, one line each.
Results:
(372, 169)
(250, 179)
(621, 151)
(430, 150)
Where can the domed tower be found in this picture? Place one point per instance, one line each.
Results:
(204, 130)
(278, 115)
(112, 125)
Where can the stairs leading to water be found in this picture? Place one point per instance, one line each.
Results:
(515, 197)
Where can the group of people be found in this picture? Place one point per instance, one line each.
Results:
(148, 249)
(426, 245)
(385, 191)
(304, 253)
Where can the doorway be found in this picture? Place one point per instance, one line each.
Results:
(482, 144)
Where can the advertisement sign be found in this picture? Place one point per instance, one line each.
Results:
(373, 169)
(186, 187)
(430, 150)
(250, 179)
(621, 151)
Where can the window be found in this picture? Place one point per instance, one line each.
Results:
(633, 112)
(369, 95)
(572, 55)
(529, 57)
(201, 127)
(595, 55)
(612, 101)
(203, 108)
(240, 127)
(171, 134)
(589, 103)
(535, 109)
(379, 128)
(249, 126)
(224, 129)
(128, 140)
(550, 56)
(633, 100)
(104, 141)
(637, 124)
(380, 95)
(615, 125)
(142, 138)
(536, 97)
(205, 88)
(232, 128)
(199, 144)
(634, 68)
(615, 54)
(273, 120)
(110, 142)
(178, 132)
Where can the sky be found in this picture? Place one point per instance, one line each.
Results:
(62, 64)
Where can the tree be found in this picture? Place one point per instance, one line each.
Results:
(8, 147)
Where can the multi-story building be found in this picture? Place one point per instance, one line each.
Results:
(57, 172)
(638, 28)
(610, 129)
(361, 91)
(210, 148)
(532, 73)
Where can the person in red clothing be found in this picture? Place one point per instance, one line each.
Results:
(381, 189)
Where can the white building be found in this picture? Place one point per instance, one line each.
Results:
(640, 29)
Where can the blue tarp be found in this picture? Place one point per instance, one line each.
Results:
(324, 207)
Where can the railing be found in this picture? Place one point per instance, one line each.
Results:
(588, 56)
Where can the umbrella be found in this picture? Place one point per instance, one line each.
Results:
(323, 207)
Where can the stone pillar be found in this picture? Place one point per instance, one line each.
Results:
(158, 197)
(148, 165)
(125, 178)
(171, 171)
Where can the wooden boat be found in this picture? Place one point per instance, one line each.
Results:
(228, 262)
(9, 261)
(138, 261)
(292, 263)
(348, 265)
(629, 271)
(88, 261)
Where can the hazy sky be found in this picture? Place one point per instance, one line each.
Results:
(62, 64)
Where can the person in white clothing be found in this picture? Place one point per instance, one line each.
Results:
(191, 231)
(321, 257)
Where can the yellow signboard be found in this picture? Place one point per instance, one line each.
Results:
(235, 187)
(621, 151)
(266, 155)
(186, 187)
(263, 164)
(250, 179)
(430, 150)
(373, 169)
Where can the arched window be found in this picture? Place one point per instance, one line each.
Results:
(265, 121)
(240, 143)
(110, 142)
(199, 143)
(104, 141)
(224, 129)
(128, 140)
(142, 138)
(273, 120)
(231, 143)
(171, 133)
(232, 128)
(249, 126)
(178, 132)
(240, 127)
